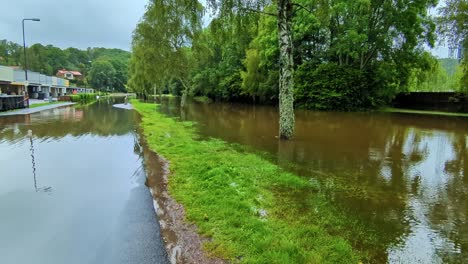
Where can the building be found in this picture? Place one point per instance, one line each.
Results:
(39, 86)
(8, 83)
(69, 75)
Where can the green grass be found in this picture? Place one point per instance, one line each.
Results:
(422, 112)
(84, 98)
(152, 96)
(32, 106)
(253, 211)
(43, 104)
(202, 99)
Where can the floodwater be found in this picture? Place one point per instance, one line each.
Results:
(75, 191)
(404, 176)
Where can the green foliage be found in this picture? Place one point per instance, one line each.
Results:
(43, 104)
(335, 87)
(49, 59)
(245, 204)
(102, 75)
(251, 78)
(449, 65)
(453, 17)
(10, 53)
(161, 53)
(443, 75)
(84, 98)
(236, 57)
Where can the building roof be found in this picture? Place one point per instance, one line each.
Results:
(75, 73)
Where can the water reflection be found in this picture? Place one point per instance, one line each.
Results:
(32, 159)
(404, 176)
(96, 119)
(100, 210)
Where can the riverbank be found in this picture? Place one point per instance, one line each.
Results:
(245, 205)
(422, 112)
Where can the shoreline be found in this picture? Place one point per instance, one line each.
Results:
(422, 112)
(27, 111)
(239, 204)
(182, 242)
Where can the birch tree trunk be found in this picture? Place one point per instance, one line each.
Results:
(183, 100)
(286, 81)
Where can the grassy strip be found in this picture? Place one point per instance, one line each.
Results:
(32, 106)
(422, 112)
(152, 96)
(43, 104)
(254, 211)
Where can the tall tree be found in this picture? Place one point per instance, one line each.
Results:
(102, 75)
(10, 53)
(161, 43)
(284, 15)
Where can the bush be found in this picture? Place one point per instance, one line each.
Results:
(334, 87)
(83, 98)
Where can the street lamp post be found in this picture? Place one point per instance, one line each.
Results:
(24, 50)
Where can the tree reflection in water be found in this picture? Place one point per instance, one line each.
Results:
(403, 176)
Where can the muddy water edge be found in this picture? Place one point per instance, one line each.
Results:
(403, 176)
(182, 242)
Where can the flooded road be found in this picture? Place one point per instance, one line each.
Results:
(75, 191)
(404, 176)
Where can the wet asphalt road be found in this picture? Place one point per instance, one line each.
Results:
(76, 192)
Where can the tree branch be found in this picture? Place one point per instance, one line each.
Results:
(302, 7)
(260, 12)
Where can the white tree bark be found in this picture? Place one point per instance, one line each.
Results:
(286, 79)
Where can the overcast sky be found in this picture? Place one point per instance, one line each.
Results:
(79, 23)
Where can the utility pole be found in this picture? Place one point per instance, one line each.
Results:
(25, 56)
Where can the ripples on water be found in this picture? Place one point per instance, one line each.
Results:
(405, 176)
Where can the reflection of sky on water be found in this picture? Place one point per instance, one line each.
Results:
(422, 244)
(404, 176)
(84, 165)
(427, 184)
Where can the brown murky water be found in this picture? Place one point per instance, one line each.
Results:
(404, 176)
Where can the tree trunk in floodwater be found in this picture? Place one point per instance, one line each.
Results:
(286, 81)
(183, 100)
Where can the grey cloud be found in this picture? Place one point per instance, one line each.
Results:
(79, 23)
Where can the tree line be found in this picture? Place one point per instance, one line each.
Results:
(104, 69)
(316, 54)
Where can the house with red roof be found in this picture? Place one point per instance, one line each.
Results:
(70, 75)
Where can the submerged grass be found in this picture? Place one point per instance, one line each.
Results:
(253, 211)
(202, 99)
(423, 112)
